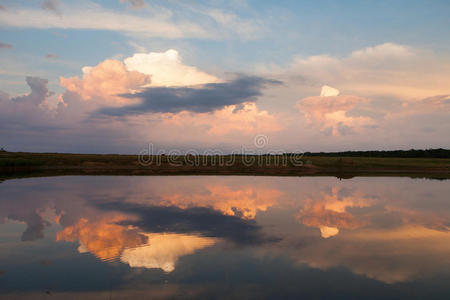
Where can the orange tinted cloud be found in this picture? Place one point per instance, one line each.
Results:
(105, 81)
(247, 120)
(430, 220)
(328, 213)
(388, 255)
(103, 238)
(330, 113)
(388, 70)
(108, 241)
(327, 220)
(244, 202)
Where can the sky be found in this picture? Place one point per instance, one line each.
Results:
(117, 76)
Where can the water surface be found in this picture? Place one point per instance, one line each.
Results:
(224, 237)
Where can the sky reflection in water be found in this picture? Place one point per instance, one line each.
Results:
(200, 236)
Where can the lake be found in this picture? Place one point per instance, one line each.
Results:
(226, 237)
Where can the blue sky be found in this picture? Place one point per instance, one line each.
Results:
(56, 38)
(288, 28)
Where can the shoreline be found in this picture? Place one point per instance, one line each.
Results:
(24, 164)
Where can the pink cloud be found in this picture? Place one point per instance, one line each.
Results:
(106, 81)
(248, 120)
(330, 113)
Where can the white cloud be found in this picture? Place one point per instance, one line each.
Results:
(328, 91)
(180, 21)
(167, 69)
(383, 52)
(163, 250)
(96, 17)
(327, 232)
(386, 70)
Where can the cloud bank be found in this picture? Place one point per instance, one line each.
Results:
(388, 70)
(122, 105)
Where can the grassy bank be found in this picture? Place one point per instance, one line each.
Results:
(12, 164)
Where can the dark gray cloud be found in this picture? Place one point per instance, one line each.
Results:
(35, 228)
(39, 91)
(6, 46)
(27, 117)
(205, 221)
(35, 225)
(205, 98)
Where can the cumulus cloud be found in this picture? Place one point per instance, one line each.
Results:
(246, 119)
(167, 69)
(105, 81)
(102, 237)
(25, 119)
(385, 87)
(115, 81)
(327, 220)
(39, 91)
(328, 212)
(35, 225)
(211, 113)
(41, 121)
(35, 228)
(243, 202)
(201, 99)
(330, 112)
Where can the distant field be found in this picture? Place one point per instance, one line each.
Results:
(18, 164)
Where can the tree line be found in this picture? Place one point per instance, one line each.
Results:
(412, 153)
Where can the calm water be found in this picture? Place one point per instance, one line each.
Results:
(224, 237)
